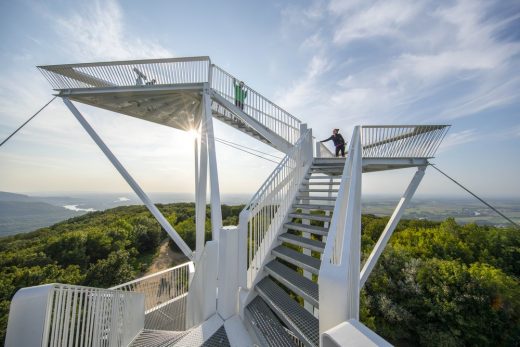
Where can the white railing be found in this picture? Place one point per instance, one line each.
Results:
(264, 216)
(257, 106)
(323, 151)
(67, 315)
(164, 296)
(339, 272)
(402, 141)
(128, 73)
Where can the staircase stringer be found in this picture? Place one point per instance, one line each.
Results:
(274, 242)
(275, 140)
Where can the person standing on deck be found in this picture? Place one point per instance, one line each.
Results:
(240, 94)
(339, 142)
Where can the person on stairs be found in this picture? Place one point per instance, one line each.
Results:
(240, 94)
(339, 142)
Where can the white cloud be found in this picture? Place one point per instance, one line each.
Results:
(456, 139)
(426, 60)
(97, 31)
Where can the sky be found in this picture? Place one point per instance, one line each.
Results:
(332, 64)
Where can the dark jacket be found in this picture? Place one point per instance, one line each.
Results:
(337, 139)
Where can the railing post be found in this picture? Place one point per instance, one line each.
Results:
(243, 222)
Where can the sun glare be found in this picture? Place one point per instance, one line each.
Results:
(193, 133)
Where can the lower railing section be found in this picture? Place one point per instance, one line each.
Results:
(68, 315)
(165, 295)
(339, 273)
(264, 216)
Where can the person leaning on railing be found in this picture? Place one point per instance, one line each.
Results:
(240, 94)
(339, 142)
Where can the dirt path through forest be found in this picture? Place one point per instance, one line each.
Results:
(166, 258)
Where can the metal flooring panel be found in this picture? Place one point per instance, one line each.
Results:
(333, 183)
(316, 190)
(301, 260)
(313, 245)
(291, 279)
(314, 207)
(318, 217)
(299, 320)
(157, 338)
(218, 339)
(322, 198)
(267, 327)
(307, 228)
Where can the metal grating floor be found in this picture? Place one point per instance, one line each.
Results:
(218, 339)
(158, 338)
(294, 281)
(299, 320)
(304, 242)
(267, 325)
(306, 262)
(307, 228)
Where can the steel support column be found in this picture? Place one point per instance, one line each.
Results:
(201, 188)
(131, 182)
(390, 226)
(216, 211)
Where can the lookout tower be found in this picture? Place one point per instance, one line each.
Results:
(288, 274)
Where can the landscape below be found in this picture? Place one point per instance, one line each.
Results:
(437, 283)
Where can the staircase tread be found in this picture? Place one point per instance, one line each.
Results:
(264, 321)
(294, 281)
(335, 183)
(317, 190)
(299, 320)
(307, 228)
(327, 198)
(317, 217)
(301, 260)
(305, 242)
(314, 207)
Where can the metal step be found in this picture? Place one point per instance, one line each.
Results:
(314, 207)
(317, 217)
(301, 260)
(328, 166)
(323, 198)
(327, 177)
(304, 325)
(266, 327)
(312, 190)
(300, 285)
(307, 228)
(305, 242)
(335, 183)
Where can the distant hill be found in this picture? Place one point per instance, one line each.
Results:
(23, 213)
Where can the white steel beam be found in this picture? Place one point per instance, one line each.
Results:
(131, 182)
(216, 211)
(201, 188)
(390, 226)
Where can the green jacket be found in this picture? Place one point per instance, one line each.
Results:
(240, 93)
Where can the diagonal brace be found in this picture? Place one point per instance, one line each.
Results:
(390, 226)
(131, 182)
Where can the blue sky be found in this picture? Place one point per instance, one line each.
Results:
(329, 63)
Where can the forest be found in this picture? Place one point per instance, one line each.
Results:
(436, 284)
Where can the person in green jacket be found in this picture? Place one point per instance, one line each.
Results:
(240, 94)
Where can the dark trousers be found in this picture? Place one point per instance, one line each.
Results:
(342, 149)
(240, 104)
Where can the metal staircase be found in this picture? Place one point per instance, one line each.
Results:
(293, 259)
(291, 277)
